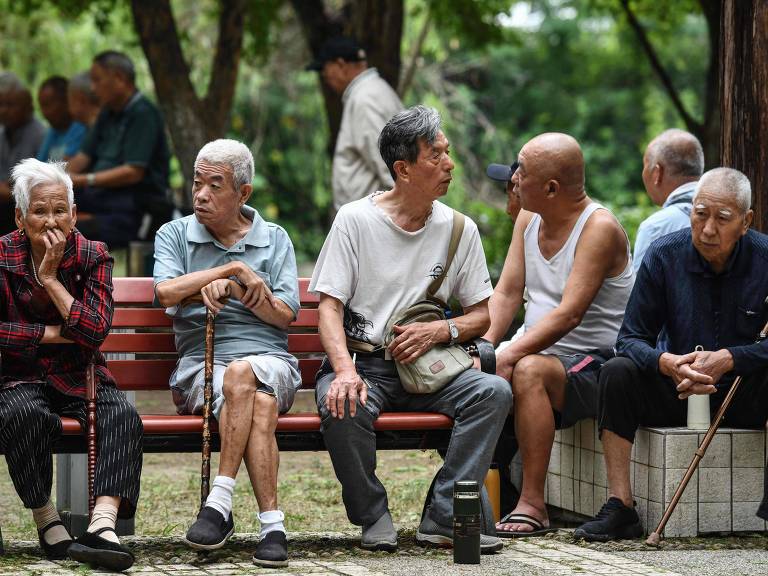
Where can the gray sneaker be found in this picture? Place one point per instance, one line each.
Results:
(431, 533)
(380, 535)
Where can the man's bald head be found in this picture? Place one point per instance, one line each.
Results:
(555, 156)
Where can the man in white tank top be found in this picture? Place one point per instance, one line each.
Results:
(573, 258)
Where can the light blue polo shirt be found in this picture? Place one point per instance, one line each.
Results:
(184, 245)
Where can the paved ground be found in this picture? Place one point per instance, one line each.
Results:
(337, 554)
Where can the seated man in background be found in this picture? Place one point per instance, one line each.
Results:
(705, 287)
(122, 167)
(380, 256)
(65, 135)
(20, 137)
(572, 258)
(245, 270)
(672, 164)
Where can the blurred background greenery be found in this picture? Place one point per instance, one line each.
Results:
(499, 72)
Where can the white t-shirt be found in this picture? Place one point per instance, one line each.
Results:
(376, 268)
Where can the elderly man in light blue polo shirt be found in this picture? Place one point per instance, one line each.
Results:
(245, 270)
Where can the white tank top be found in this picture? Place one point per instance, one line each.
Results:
(545, 281)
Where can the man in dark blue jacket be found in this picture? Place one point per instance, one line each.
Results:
(704, 289)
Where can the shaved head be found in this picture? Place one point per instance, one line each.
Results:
(555, 156)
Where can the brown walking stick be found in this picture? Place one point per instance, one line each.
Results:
(205, 473)
(654, 538)
(90, 391)
(210, 332)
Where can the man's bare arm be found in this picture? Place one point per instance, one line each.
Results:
(124, 175)
(508, 294)
(78, 164)
(172, 292)
(601, 250)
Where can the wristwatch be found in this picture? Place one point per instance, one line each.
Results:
(90, 178)
(453, 331)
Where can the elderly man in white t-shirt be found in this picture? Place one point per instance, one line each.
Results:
(380, 256)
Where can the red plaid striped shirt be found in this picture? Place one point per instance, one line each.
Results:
(85, 271)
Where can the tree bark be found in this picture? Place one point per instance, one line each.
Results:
(744, 97)
(192, 121)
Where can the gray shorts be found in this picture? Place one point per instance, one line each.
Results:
(582, 388)
(276, 376)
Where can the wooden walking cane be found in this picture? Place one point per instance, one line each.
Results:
(654, 538)
(90, 390)
(205, 472)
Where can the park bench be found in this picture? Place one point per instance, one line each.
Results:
(141, 355)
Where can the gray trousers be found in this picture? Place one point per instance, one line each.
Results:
(477, 402)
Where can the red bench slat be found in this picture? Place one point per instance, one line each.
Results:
(163, 342)
(142, 291)
(304, 422)
(157, 318)
(154, 374)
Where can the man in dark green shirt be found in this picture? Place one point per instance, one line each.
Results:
(121, 170)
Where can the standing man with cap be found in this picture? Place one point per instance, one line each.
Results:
(672, 164)
(369, 102)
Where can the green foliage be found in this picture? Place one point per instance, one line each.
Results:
(498, 79)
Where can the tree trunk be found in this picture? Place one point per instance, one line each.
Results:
(744, 97)
(191, 121)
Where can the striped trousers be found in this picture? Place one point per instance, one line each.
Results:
(30, 424)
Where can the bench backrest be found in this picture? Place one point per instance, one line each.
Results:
(146, 332)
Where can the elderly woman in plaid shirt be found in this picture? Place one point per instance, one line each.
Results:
(55, 311)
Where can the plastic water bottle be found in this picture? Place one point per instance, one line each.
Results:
(466, 522)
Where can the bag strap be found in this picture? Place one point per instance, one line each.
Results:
(456, 232)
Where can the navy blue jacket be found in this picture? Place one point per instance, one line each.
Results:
(677, 291)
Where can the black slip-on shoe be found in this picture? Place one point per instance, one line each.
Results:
(56, 551)
(92, 549)
(430, 533)
(615, 521)
(210, 531)
(272, 551)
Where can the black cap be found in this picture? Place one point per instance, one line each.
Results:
(501, 172)
(337, 47)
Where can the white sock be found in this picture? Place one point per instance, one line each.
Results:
(220, 497)
(271, 521)
(104, 516)
(44, 516)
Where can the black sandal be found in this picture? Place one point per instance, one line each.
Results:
(56, 551)
(92, 549)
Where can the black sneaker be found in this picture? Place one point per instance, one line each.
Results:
(272, 551)
(614, 522)
(210, 531)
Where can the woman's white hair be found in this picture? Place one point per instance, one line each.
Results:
(230, 153)
(32, 172)
(728, 181)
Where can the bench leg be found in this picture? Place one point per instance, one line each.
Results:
(72, 495)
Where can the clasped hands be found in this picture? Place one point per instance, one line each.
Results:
(251, 290)
(696, 372)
